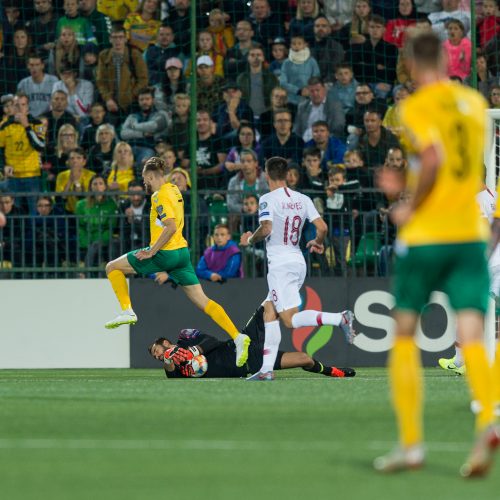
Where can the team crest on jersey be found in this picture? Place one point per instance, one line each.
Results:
(263, 205)
(159, 209)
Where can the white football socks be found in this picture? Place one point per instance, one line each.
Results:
(315, 318)
(271, 345)
(459, 360)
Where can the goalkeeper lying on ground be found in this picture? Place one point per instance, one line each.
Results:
(220, 354)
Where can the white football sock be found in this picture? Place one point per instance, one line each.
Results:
(271, 345)
(315, 318)
(459, 360)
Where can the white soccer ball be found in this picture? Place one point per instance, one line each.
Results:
(200, 366)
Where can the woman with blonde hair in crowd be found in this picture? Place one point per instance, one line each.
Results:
(101, 154)
(142, 26)
(67, 140)
(356, 32)
(303, 22)
(222, 34)
(66, 51)
(122, 167)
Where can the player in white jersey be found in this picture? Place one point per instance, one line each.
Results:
(486, 200)
(282, 214)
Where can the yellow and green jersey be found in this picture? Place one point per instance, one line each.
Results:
(450, 117)
(167, 203)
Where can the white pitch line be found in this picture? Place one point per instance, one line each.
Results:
(206, 445)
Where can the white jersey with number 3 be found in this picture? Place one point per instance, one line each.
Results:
(287, 210)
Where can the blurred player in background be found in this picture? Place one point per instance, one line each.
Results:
(282, 215)
(168, 252)
(441, 246)
(220, 354)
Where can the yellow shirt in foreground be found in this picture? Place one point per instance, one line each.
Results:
(167, 203)
(452, 118)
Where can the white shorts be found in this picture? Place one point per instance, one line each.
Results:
(495, 280)
(285, 282)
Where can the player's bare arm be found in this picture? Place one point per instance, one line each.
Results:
(317, 244)
(169, 229)
(261, 233)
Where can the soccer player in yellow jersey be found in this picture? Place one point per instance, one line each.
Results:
(441, 246)
(168, 252)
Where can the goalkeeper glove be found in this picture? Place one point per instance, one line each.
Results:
(186, 370)
(179, 355)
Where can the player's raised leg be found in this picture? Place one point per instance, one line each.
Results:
(405, 377)
(197, 296)
(116, 272)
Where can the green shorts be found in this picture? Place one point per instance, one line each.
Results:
(177, 263)
(460, 270)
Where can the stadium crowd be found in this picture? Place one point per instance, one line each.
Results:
(92, 88)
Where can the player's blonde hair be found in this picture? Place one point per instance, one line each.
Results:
(155, 165)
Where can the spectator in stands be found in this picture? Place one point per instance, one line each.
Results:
(458, 49)
(117, 10)
(279, 100)
(38, 86)
(81, 26)
(96, 222)
(57, 117)
(293, 176)
(209, 88)
(314, 179)
(494, 97)
(22, 139)
(327, 51)
(178, 132)
(375, 60)
(282, 142)
(331, 148)
(485, 78)
(365, 99)
(235, 61)
(178, 19)
(222, 35)
(142, 129)
(66, 50)
(57, 157)
(391, 118)
(338, 13)
(158, 54)
(344, 87)
(210, 154)
(42, 28)
(427, 6)
(142, 26)
(231, 112)
(356, 31)
(80, 92)
(279, 53)
(8, 108)
(395, 159)
(303, 22)
(451, 10)
(171, 162)
(180, 178)
(206, 49)
(12, 232)
(101, 25)
(395, 28)
(488, 25)
(97, 116)
(254, 257)
(266, 25)
(76, 179)
(376, 140)
(14, 63)
(172, 82)
(119, 89)
(245, 140)
(250, 213)
(297, 69)
(249, 179)
(257, 82)
(135, 207)
(356, 170)
(12, 21)
(222, 260)
(101, 153)
(319, 105)
(122, 168)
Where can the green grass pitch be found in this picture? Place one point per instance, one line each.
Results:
(132, 434)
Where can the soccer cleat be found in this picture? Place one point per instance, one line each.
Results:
(346, 326)
(127, 317)
(475, 407)
(449, 364)
(481, 457)
(241, 342)
(342, 372)
(261, 377)
(400, 459)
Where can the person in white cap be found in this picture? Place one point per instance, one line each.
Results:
(209, 84)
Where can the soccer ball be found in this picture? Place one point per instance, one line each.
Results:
(200, 366)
